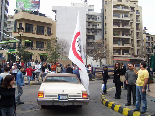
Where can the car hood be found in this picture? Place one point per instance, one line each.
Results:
(62, 88)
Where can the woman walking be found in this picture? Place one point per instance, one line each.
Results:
(117, 72)
(7, 92)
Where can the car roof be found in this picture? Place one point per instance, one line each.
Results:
(61, 74)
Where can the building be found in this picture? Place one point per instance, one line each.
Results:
(94, 31)
(4, 12)
(123, 30)
(38, 29)
(91, 24)
(150, 42)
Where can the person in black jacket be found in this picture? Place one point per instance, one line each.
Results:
(69, 69)
(105, 78)
(7, 99)
(117, 72)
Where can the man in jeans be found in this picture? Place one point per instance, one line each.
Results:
(131, 87)
(20, 83)
(141, 83)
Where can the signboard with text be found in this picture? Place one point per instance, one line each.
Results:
(28, 5)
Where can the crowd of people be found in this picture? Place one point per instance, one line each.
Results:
(135, 82)
(14, 72)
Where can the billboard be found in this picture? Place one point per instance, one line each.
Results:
(29, 5)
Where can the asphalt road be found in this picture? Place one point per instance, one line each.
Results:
(94, 108)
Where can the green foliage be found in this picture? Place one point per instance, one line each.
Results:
(23, 55)
(53, 50)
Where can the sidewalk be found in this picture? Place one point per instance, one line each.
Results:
(150, 101)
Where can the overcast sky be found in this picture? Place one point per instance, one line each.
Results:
(148, 9)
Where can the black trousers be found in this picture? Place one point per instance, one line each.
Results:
(125, 86)
(131, 88)
(105, 91)
(118, 90)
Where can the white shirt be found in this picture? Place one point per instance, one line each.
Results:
(37, 67)
(14, 70)
(4, 74)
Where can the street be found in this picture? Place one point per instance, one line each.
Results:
(94, 108)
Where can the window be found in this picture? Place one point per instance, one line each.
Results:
(118, 7)
(105, 32)
(105, 24)
(48, 31)
(105, 10)
(29, 44)
(122, 7)
(116, 15)
(39, 44)
(28, 28)
(98, 17)
(105, 17)
(15, 25)
(105, 2)
(20, 25)
(40, 30)
(98, 25)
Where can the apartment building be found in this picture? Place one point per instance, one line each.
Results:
(94, 31)
(38, 29)
(3, 22)
(150, 42)
(91, 25)
(123, 30)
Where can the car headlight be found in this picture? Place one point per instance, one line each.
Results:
(84, 94)
(40, 94)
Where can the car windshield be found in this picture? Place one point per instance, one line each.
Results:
(62, 79)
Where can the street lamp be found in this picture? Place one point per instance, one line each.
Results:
(20, 32)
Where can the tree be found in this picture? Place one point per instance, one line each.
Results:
(53, 50)
(23, 55)
(64, 47)
(99, 51)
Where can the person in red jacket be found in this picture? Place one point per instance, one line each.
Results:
(29, 71)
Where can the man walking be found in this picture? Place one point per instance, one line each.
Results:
(29, 71)
(131, 77)
(141, 83)
(105, 78)
(20, 83)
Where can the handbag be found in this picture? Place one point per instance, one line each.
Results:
(122, 78)
(103, 87)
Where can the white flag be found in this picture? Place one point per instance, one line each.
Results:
(76, 55)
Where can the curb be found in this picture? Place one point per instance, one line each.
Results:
(121, 109)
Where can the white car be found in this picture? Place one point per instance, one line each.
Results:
(62, 89)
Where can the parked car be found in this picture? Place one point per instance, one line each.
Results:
(62, 89)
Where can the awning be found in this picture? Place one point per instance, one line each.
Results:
(11, 52)
(43, 54)
(13, 41)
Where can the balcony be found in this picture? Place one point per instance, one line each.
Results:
(122, 45)
(137, 13)
(138, 38)
(90, 40)
(89, 26)
(123, 54)
(137, 21)
(119, 18)
(32, 35)
(138, 30)
(32, 17)
(120, 9)
(90, 33)
(121, 27)
(90, 20)
(121, 36)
